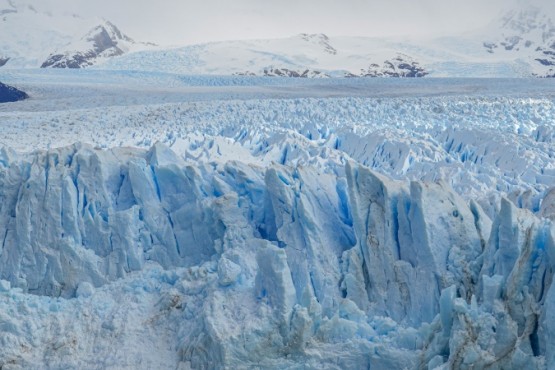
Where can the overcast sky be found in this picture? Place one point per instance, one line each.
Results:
(173, 22)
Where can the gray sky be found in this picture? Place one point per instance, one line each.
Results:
(192, 21)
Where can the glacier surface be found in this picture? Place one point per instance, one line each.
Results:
(214, 228)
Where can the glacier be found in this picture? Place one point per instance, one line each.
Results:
(276, 266)
(229, 224)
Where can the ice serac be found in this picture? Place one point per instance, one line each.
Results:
(547, 209)
(505, 325)
(276, 267)
(411, 247)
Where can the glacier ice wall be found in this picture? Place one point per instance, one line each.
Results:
(227, 264)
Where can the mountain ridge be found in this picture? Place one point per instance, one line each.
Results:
(520, 43)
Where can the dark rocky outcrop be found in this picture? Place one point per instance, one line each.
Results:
(400, 66)
(11, 94)
(546, 62)
(286, 72)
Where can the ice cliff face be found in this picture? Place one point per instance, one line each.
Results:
(275, 266)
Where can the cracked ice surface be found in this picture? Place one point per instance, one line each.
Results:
(280, 232)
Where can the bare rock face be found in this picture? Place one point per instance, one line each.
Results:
(11, 94)
(103, 41)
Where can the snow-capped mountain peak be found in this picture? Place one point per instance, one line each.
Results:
(32, 37)
(103, 41)
(105, 31)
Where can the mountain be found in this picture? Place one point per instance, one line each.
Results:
(33, 37)
(10, 94)
(303, 55)
(527, 34)
(310, 56)
(102, 42)
(521, 43)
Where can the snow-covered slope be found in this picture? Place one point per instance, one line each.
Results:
(31, 38)
(276, 223)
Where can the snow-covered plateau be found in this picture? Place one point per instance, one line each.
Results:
(153, 220)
